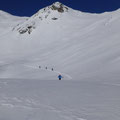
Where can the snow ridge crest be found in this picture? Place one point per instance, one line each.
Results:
(59, 7)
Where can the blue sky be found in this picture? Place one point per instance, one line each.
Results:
(29, 7)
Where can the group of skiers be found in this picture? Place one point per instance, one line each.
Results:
(47, 68)
(59, 76)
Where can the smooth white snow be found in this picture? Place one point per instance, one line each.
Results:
(25, 99)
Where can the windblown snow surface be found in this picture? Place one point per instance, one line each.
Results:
(83, 47)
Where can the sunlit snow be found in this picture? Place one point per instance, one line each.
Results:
(84, 48)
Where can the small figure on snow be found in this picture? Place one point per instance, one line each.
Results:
(60, 77)
(39, 66)
(52, 69)
(45, 67)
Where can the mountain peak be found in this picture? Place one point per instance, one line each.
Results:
(59, 7)
(49, 13)
(57, 4)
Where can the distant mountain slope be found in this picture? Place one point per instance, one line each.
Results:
(8, 21)
(78, 45)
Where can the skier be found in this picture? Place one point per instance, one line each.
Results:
(60, 77)
(46, 68)
(52, 69)
(39, 66)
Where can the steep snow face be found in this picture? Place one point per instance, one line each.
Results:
(77, 45)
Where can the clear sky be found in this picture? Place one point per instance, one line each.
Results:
(29, 7)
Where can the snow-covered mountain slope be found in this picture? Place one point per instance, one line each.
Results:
(83, 47)
(8, 21)
(78, 45)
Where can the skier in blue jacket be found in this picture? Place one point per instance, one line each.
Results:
(60, 77)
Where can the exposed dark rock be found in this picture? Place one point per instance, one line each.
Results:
(60, 8)
(54, 18)
(22, 31)
(28, 29)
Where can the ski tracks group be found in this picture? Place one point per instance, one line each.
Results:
(48, 69)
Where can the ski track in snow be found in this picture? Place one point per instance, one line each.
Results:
(30, 104)
(111, 84)
(34, 99)
(64, 74)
